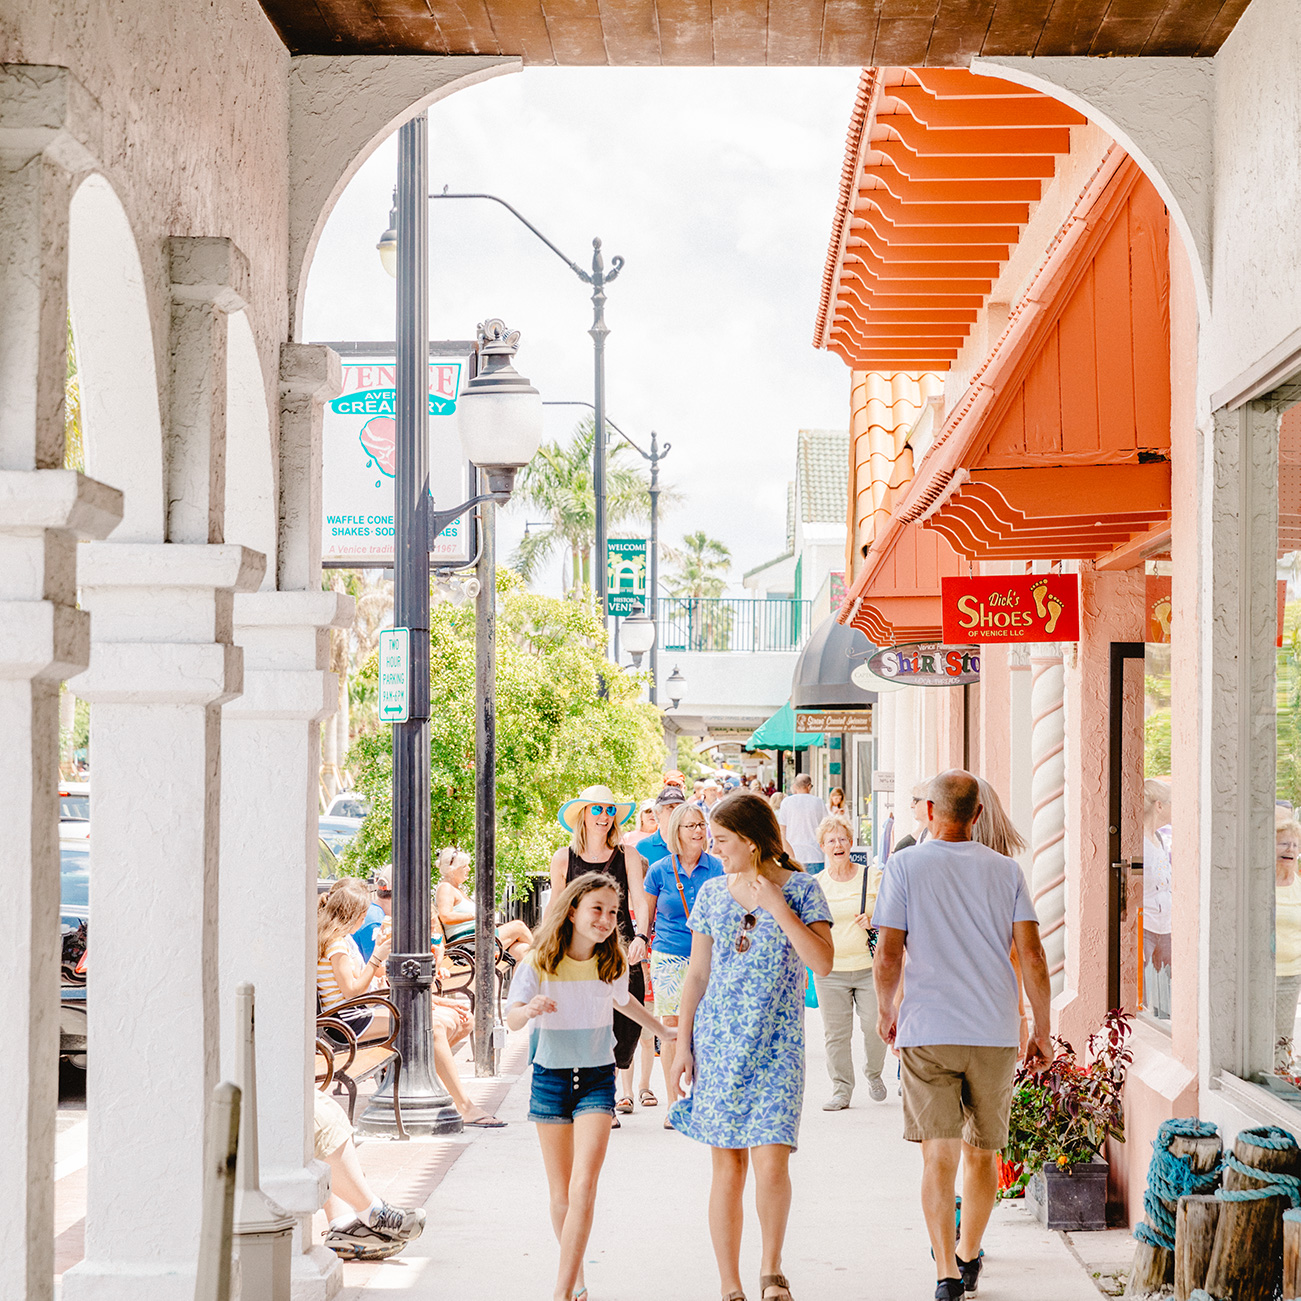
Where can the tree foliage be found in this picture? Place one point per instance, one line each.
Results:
(699, 567)
(558, 483)
(555, 733)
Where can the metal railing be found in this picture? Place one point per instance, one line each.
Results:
(731, 624)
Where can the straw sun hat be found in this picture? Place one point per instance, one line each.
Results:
(572, 810)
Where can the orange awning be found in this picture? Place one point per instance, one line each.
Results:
(942, 170)
(1060, 448)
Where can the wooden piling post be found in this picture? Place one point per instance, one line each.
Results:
(1247, 1258)
(1195, 1221)
(1153, 1269)
(1292, 1256)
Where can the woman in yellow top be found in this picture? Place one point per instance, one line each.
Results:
(849, 983)
(1287, 934)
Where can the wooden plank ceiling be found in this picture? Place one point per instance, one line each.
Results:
(806, 33)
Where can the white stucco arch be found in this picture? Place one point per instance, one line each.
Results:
(1161, 111)
(252, 516)
(340, 111)
(120, 408)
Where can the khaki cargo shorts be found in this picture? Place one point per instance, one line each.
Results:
(331, 1127)
(957, 1091)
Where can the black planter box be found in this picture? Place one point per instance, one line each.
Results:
(1077, 1200)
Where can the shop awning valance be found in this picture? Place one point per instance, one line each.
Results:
(778, 733)
(822, 673)
(1060, 448)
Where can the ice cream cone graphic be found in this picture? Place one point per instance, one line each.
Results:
(1037, 591)
(1161, 612)
(1054, 612)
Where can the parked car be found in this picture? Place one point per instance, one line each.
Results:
(74, 810)
(74, 916)
(338, 833)
(327, 867)
(348, 805)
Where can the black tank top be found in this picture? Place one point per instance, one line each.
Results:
(616, 868)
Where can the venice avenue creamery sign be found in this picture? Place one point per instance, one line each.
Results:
(927, 664)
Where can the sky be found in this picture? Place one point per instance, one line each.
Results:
(717, 186)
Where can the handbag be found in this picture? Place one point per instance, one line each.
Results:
(862, 908)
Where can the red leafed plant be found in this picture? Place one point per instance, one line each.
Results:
(1065, 1114)
(379, 438)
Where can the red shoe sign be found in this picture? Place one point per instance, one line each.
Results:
(1024, 607)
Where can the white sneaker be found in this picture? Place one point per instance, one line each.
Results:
(876, 1089)
(837, 1102)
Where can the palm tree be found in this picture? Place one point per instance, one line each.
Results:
(558, 482)
(699, 574)
(700, 567)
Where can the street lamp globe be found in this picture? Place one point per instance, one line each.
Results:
(499, 412)
(388, 242)
(637, 632)
(676, 687)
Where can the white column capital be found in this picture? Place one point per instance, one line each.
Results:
(44, 109)
(210, 270)
(58, 499)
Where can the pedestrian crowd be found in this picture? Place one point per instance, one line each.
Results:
(690, 925)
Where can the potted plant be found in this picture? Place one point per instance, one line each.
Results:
(1061, 1118)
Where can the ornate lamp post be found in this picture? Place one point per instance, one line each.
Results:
(498, 444)
(638, 633)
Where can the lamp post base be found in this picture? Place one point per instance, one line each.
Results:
(424, 1112)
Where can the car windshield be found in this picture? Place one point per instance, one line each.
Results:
(327, 865)
(74, 875)
(74, 808)
(342, 808)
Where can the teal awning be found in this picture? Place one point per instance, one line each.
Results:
(779, 733)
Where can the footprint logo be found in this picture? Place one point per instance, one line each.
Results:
(1037, 591)
(1162, 612)
(1054, 612)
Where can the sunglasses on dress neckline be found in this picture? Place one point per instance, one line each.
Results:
(610, 809)
(743, 940)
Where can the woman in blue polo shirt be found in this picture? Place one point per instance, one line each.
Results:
(671, 887)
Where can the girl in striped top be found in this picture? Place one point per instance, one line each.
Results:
(340, 972)
(567, 985)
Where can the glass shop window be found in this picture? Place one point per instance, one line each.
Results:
(1154, 923)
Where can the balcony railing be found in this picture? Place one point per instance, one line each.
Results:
(727, 624)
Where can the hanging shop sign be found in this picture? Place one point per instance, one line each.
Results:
(927, 664)
(883, 781)
(625, 569)
(1160, 609)
(358, 451)
(838, 720)
(1024, 607)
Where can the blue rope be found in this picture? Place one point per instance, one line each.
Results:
(1272, 1138)
(1200, 1294)
(1171, 1177)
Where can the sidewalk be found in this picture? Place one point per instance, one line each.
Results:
(855, 1233)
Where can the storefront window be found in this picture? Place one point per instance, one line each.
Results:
(1155, 917)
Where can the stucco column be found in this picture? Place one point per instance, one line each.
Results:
(43, 639)
(1048, 807)
(48, 132)
(270, 758)
(162, 663)
(1111, 609)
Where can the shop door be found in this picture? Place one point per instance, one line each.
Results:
(1125, 819)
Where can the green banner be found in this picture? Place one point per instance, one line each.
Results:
(625, 569)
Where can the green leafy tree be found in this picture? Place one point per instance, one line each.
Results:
(555, 732)
(558, 483)
(74, 446)
(699, 567)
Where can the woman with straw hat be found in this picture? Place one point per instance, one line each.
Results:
(593, 819)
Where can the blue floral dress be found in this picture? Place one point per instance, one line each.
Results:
(748, 1036)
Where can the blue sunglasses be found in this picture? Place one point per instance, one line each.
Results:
(598, 809)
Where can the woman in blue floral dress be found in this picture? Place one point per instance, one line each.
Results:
(741, 1029)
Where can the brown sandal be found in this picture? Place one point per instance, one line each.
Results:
(734, 1296)
(774, 1280)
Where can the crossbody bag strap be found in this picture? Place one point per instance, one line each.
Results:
(862, 902)
(682, 894)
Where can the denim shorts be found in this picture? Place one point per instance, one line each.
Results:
(560, 1095)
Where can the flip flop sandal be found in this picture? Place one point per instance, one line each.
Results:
(484, 1122)
(581, 1294)
(614, 1123)
(668, 1124)
(624, 1106)
(648, 1099)
(775, 1280)
(734, 1296)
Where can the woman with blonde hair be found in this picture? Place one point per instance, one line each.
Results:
(672, 884)
(456, 911)
(851, 896)
(593, 819)
(741, 1029)
(1287, 933)
(340, 972)
(836, 802)
(993, 827)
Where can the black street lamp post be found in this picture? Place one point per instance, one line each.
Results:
(598, 278)
(501, 427)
